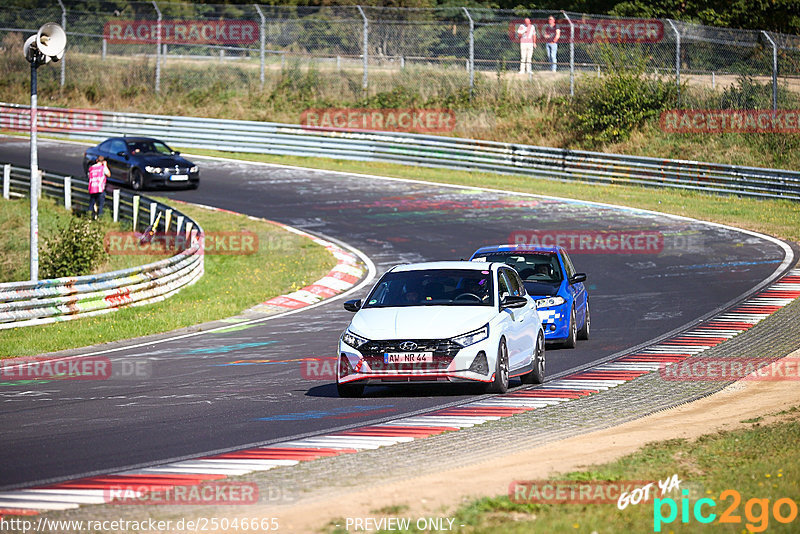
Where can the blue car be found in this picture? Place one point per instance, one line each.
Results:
(550, 278)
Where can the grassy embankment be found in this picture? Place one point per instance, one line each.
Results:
(281, 262)
(760, 462)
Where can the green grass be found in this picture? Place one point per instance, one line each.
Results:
(282, 263)
(759, 462)
(780, 218)
(53, 217)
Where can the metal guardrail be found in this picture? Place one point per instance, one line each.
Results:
(61, 299)
(413, 149)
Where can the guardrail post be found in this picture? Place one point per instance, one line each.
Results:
(262, 38)
(64, 27)
(158, 48)
(7, 181)
(115, 196)
(178, 224)
(153, 210)
(365, 81)
(167, 220)
(135, 211)
(774, 71)
(677, 59)
(189, 230)
(571, 54)
(68, 192)
(471, 63)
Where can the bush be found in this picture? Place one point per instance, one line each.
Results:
(606, 110)
(75, 250)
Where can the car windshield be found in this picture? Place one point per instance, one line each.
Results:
(435, 287)
(531, 266)
(149, 147)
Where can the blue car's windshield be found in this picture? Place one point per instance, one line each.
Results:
(436, 287)
(531, 266)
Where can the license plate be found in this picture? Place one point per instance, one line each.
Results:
(179, 177)
(407, 357)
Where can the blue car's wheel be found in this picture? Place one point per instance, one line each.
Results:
(583, 333)
(571, 340)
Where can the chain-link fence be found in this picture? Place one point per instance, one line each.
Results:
(161, 47)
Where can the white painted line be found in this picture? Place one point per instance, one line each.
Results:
(36, 505)
(54, 497)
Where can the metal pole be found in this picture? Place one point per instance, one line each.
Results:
(471, 53)
(774, 71)
(64, 27)
(677, 59)
(7, 181)
(263, 37)
(68, 193)
(571, 54)
(34, 229)
(365, 82)
(158, 48)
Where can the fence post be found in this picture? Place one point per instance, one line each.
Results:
(365, 82)
(262, 37)
(103, 50)
(153, 210)
(68, 192)
(158, 48)
(471, 53)
(677, 59)
(135, 211)
(115, 197)
(7, 181)
(571, 54)
(64, 26)
(774, 71)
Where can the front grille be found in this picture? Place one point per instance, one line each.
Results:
(443, 352)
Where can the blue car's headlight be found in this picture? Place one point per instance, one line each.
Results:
(155, 170)
(193, 169)
(353, 340)
(470, 338)
(549, 301)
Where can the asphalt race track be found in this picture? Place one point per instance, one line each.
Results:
(199, 399)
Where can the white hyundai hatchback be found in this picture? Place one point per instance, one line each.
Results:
(454, 321)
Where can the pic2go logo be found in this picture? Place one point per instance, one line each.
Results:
(756, 511)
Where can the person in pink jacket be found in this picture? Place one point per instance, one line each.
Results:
(97, 186)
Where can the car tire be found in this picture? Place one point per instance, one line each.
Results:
(350, 390)
(500, 382)
(536, 376)
(583, 333)
(571, 341)
(137, 182)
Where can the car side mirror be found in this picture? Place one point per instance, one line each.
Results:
(577, 278)
(513, 301)
(122, 153)
(176, 153)
(352, 305)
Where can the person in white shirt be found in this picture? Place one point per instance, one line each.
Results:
(527, 42)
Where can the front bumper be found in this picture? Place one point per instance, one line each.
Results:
(475, 363)
(555, 321)
(165, 179)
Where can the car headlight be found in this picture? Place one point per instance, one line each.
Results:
(352, 339)
(549, 301)
(194, 169)
(155, 170)
(470, 338)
